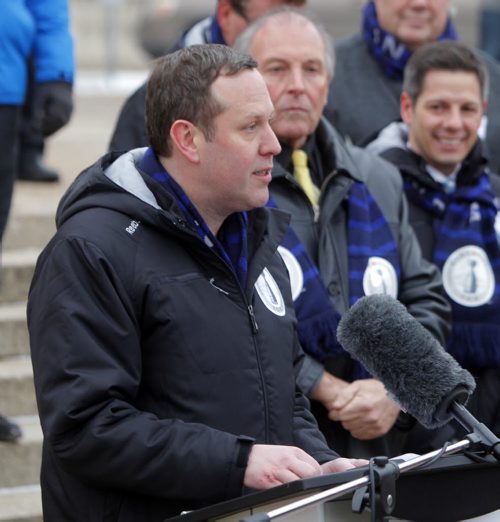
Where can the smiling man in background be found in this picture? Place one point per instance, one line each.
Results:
(454, 202)
(364, 94)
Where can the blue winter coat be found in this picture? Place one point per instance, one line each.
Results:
(39, 28)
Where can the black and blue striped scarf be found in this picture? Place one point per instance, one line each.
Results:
(317, 319)
(216, 36)
(369, 241)
(369, 237)
(387, 50)
(231, 243)
(463, 220)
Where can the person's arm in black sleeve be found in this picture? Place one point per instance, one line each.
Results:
(87, 360)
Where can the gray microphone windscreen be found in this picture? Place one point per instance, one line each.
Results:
(396, 349)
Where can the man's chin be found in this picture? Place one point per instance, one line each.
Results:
(295, 138)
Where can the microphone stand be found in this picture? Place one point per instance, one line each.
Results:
(486, 437)
(384, 485)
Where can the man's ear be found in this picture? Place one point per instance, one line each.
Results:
(405, 107)
(184, 137)
(222, 13)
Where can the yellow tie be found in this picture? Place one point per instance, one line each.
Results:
(303, 176)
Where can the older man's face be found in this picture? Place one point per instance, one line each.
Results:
(413, 22)
(291, 57)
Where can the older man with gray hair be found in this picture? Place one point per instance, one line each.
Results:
(350, 222)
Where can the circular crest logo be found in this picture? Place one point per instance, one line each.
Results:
(270, 294)
(294, 271)
(468, 277)
(380, 277)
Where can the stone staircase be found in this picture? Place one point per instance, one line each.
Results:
(30, 227)
(20, 463)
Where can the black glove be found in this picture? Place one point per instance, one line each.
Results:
(52, 106)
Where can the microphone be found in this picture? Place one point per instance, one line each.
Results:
(424, 379)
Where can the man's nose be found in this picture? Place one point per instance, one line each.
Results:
(270, 143)
(296, 80)
(454, 118)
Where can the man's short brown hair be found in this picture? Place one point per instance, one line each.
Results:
(180, 88)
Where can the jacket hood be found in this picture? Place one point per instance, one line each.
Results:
(133, 194)
(394, 136)
(117, 174)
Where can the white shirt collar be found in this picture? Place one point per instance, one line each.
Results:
(448, 181)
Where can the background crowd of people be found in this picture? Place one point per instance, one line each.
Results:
(381, 150)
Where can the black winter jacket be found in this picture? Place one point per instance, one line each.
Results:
(155, 372)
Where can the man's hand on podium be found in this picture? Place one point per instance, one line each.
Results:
(270, 466)
(342, 464)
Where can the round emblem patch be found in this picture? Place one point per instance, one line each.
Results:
(380, 277)
(294, 271)
(270, 294)
(468, 277)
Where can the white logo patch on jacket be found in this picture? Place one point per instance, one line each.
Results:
(468, 277)
(294, 271)
(380, 277)
(269, 293)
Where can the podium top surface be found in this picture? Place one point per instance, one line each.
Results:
(454, 487)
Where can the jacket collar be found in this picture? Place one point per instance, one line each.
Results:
(337, 156)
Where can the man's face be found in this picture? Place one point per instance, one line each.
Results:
(413, 22)
(445, 118)
(237, 162)
(233, 23)
(291, 57)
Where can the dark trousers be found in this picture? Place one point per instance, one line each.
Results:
(10, 117)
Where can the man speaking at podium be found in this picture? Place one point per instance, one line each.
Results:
(162, 328)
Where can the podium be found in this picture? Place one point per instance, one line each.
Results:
(454, 488)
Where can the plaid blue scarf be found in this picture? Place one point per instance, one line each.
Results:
(462, 218)
(387, 50)
(232, 243)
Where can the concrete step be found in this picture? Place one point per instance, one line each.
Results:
(32, 230)
(21, 460)
(17, 268)
(21, 504)
(16, 383)
(14, 338)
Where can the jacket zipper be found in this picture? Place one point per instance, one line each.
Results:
(180, 225)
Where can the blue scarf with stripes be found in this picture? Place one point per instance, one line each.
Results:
(231, 243)
(370, 241)
(387, 50)
(374, 265)
(317, 319)
(467, 251)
